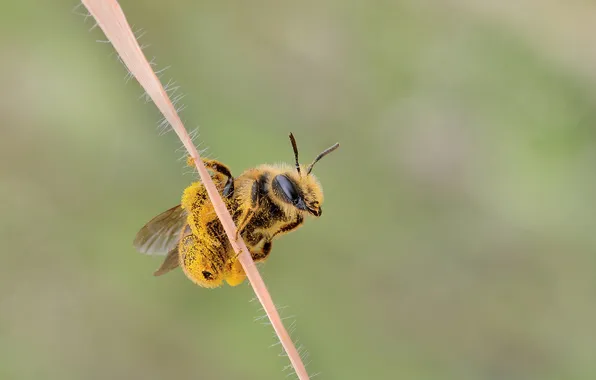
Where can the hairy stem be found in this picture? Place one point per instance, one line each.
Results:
(111, 20)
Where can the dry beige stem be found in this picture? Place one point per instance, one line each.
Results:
(111, 20)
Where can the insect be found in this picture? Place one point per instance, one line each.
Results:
(265, 202)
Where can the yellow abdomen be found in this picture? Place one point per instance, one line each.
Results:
(205, 254)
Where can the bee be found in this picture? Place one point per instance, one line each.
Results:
(265, 202)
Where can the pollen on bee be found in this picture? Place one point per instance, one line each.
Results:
(236, 274)
(190, 161)
(193, 195)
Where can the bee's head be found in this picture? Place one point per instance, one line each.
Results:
(299, 187)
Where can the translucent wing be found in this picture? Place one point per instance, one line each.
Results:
(170, 262)
(162, 233)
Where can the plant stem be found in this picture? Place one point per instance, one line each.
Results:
(111, 20)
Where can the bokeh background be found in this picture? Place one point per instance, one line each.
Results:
(458, 239)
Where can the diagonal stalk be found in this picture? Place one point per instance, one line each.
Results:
(110, 18)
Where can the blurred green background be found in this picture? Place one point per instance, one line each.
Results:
(457, 240)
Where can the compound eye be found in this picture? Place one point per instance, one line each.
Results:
(287, 187)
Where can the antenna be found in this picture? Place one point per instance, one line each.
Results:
(321, 155)
(295, 147)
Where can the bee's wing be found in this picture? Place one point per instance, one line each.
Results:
(162, 233)
(170, 262)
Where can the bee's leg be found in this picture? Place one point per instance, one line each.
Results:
(235, 273)
(259, 256)
(245, 218)
(248, 213)
(203, 265)
(290, 226)
(222, 173)
(264, 253)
